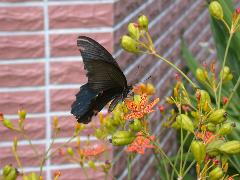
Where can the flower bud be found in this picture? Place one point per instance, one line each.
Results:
(150, 89)
(121, 138)
(211, 127)
(200, 75)
(216, 10)
(216, 174)
(33, 176)
(70, 151)
(57, 174)
(205, 100)
(226, 129)
(22, 114)
(226, 75)
(230, 147)
(133, 31)
(135, 125)
(7, 123)
(217, 116)
(143, 21)
(212, 148)
(199, 151)
(9, 173)
(6, 170)
(185, 122)
(91, 164)
(129, 44)
(55, 122)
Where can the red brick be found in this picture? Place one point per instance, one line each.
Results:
(16, 47)
(78, 174)
(32, 101)
(25, 153)
(79, 16)
(13, 75)
(70, 72)
(21, 18)
(35, 129)
(67, 125)
(61, 99)
(66, 45)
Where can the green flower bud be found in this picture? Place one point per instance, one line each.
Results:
(185, 122)
(22, 114)
(135, 125)
(199, 151)
(217, 116)
(143, 21)
(230, 147)
(212, 148)
(216, 10)
(129, 44)
(25, 177)
(226, 129)
(226, 75)
(70, 151)
(7, 123)
(226, 70)
(11, 175)
(216, 174)
(6, 170)
(205, 100)
(200, 75)
(121, 138)
(133, 31)
(91, 164)
(228, 78)
(211, 127)
(33, 176)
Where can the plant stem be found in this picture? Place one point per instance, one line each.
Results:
(177, 69)
(232, 93)
(189, 167)
(129, 167)
(18, 160)
(164, 155)
(181, 154)
(224, 62)
(29, 141)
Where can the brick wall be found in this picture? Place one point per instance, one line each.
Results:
(41, 68)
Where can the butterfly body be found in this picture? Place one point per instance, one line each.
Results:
(106, 81)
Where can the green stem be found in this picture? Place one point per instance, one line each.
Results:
(185, 161)
(29, 141)
(181, 155)
(159, 165)
(224, 62)
(232, 93)
(18, 160)
(164, 155)
(177, 69)
(189, 167)
(129, 167)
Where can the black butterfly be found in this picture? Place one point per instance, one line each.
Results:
(106, 81)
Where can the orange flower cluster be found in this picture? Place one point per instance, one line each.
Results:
(93, 151)
(140, 143)
(139, 109)
(207, 137)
